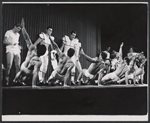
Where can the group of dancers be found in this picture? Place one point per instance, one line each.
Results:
(104, 69)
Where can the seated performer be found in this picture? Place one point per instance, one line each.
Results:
(97, 64)
(64, 67)
(119, 73)
(31, 65)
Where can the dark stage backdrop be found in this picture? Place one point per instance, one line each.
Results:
(62, 18)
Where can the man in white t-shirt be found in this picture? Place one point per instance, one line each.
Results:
(44, 40)
(11, 40)
(72, 42)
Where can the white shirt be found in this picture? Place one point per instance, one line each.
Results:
(75, 44)
(14, 39)
(46, 41)
(46, 38)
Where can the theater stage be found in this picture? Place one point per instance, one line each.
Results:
(75, 100)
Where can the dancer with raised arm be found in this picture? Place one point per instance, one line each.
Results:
(97, 64)
(31, 65)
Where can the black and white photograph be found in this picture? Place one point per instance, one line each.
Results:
(75, 61)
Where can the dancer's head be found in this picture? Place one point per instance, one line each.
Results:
(103, 55)
(49, 30)
(114, 54)
(108, 49)
(17, 27)
(126, 60)
(73, 35)
(131, 50)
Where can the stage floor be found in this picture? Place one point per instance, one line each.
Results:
(75, 100)
(78, 87)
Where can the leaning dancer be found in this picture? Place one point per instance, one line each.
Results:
(64, 67)
(31, 65)
(122, 67)
(97, 64)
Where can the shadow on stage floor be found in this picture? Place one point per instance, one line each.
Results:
(75, 100)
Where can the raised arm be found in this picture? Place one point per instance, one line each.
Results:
(25, 34)
(120, 52)
(63, 43)
(88, 58)
(38, 41)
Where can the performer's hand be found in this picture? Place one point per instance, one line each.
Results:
(22, 23)
(121, 44)
(63, 38)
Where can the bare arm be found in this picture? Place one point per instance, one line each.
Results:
(6, 41)
(26, 37)
(55, 46)
(66, 67)
(120, 52)
(88, 58)
(38, 41)
(25, 34)
(62, 47)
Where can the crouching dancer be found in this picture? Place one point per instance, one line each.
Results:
(63, 71)
(31, 66)
(120, 71)
(97, 64)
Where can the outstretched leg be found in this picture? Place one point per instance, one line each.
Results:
(106, 79)
(52, 77)
(35, 73)
(17, 77)
(126, 77)
(100, 76)
(9, 60)
(79, 79)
